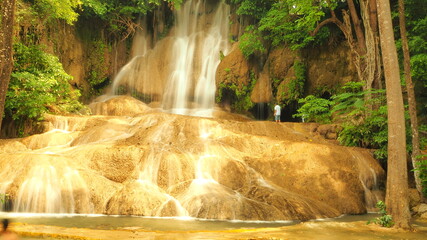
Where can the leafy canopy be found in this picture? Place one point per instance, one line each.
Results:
(119, 14)
(58, 9)
(284, 21)
(38, 85)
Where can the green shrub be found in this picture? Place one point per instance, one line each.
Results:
(364, 123)
(241, 101)
(314, 109)
(38, 85)
(97, 65)
(251, 42)
(384, 220)
(369, 133)
(296, 86)
(350, 104)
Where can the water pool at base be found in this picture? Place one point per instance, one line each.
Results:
(349, 227)
(135, 222)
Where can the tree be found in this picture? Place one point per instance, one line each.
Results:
(298, 22)
(120, 16)
(6, 38)
(411, 95)
(397, 179)
(364, 47)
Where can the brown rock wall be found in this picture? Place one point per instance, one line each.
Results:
(328, 68)
(233, 69)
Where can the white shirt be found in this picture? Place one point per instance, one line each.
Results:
(277, 110)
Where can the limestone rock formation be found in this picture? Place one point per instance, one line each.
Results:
(328, 68)
(279, 61)
(158, 164)
(233, 69)
(262, 91)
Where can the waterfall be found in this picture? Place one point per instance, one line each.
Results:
(179, 70)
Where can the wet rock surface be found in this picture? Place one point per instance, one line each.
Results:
(159, 164)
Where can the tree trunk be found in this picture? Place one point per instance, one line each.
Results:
(357, 28)
(397, 176)
(373, 16)
(373, 19)
(411, 96)
(6, 61)
(372, 58)
(364, 47)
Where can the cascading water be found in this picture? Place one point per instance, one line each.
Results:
(140, 161)
(180, 69)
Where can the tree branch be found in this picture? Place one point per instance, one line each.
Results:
(332, 19)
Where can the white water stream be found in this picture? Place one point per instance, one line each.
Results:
(179, 70)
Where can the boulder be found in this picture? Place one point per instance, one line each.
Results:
(262, 92)
(233, 69)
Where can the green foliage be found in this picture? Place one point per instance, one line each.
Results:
(97, 66)
(416, 25)
(275, 83)
(241, 94)
(221, 55)
(421, 167)
(350, 102)
(289, 90)
(423, 140)
(254, 8)
(119, 14)
(38, 85)
(384, 220)
(251, 42)
(58, 9)
(290, 22)
(314, 109)
(364, 123)
(370, 132)
(419, 68)
(3, 198)
(296, 86)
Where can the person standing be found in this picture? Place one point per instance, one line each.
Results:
(277, 110)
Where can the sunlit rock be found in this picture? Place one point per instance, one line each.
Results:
(159, 164)
(119, 106)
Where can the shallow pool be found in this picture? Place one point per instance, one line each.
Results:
(349, 227)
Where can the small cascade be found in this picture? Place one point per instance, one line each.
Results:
(261, 111)
(131, 74)
(372, 190)
(44, 178)
(45, 183)
(368, 177)
(50, 190)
